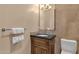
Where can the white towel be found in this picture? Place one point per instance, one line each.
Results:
(19, 38)
(17, 30)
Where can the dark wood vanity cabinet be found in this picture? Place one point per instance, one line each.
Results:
(42, 46)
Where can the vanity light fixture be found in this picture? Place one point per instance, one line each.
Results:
(45, 6)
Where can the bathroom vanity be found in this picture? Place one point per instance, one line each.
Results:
(42, 43)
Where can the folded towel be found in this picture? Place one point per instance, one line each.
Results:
(14, 40)
(18, 38)
(17, 30)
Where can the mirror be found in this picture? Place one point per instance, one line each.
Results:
(47, 16)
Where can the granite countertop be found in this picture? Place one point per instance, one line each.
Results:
(49, 37)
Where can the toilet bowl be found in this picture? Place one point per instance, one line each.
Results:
(68, 46)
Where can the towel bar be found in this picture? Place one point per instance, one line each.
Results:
(5, 29)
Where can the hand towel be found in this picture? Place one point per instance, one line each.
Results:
(18, 38)
(17, 30)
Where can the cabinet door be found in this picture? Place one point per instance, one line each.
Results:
(39, 50)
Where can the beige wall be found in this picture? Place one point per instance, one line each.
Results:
(18, 16)
(67, 23)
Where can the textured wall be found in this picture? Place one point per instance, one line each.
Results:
(67, 23)
(18, 16)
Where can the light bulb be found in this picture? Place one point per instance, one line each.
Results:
(49, 7)
(45, 6)
(41, 6)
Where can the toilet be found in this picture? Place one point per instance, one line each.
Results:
(68, 46)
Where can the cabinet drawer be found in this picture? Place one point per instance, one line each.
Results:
(39, 42)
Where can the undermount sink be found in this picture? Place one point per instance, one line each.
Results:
(43, 35)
